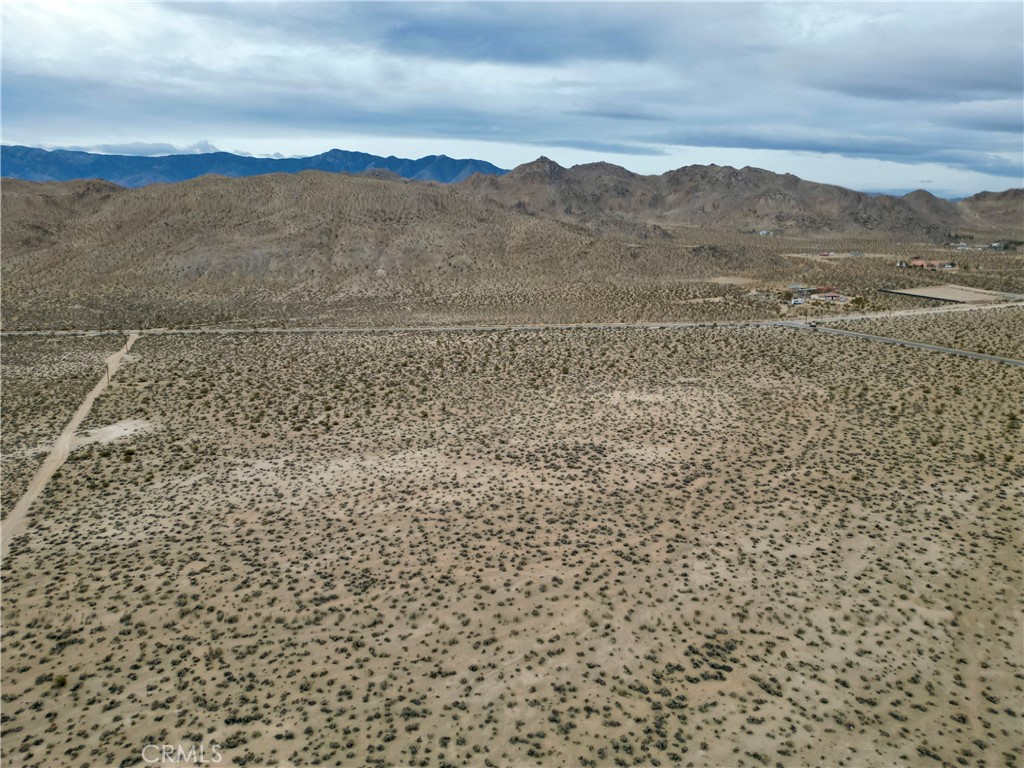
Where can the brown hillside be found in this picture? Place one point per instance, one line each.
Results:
(747, 198)
(1002, 210)
(544, 241)
(309, 239)
(307, 230)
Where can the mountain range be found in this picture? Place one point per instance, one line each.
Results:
(372, 247)
(745, 198)
(598, 193)
(33, 164)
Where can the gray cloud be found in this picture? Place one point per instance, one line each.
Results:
(604, 146)
(998, 116)
(488, 31)
(914, 83)
(640, 114)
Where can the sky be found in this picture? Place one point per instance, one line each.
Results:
(873, 96)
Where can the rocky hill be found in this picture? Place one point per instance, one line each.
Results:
(285, 246)
(746, 198)
(1003, 210)
(233, 243)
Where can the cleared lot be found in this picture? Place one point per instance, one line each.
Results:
(959, 294)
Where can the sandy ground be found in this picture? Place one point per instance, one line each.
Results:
(13, 523)
(112, 432)
(581, 547)
(44, 379)
(999, 332)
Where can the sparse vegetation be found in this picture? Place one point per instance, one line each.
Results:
(995, 332)
(328, 250)
(598, 547)
(504, 546)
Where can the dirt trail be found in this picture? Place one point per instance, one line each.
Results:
(12, 525)
(906, 343)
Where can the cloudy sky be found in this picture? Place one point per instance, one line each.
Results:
(873, 96)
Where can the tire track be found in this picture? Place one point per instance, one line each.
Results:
(15, 521)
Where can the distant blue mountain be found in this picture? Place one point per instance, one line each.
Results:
(33, 164)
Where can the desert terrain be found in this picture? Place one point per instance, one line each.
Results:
(541, 244)
(720, 546)
(396, 474)
(44, 379)
(994, 332)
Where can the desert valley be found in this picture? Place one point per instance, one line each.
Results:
(568, 466)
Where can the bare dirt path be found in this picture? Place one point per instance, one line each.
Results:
(12, 525)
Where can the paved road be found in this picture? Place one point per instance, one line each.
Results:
(391, 329)
(943, 309)
(798, 324)
(215, 331)
(905, 343)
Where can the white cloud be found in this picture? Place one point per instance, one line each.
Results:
(143, 148)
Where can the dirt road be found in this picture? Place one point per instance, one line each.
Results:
(905, 343)
(12, 525)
